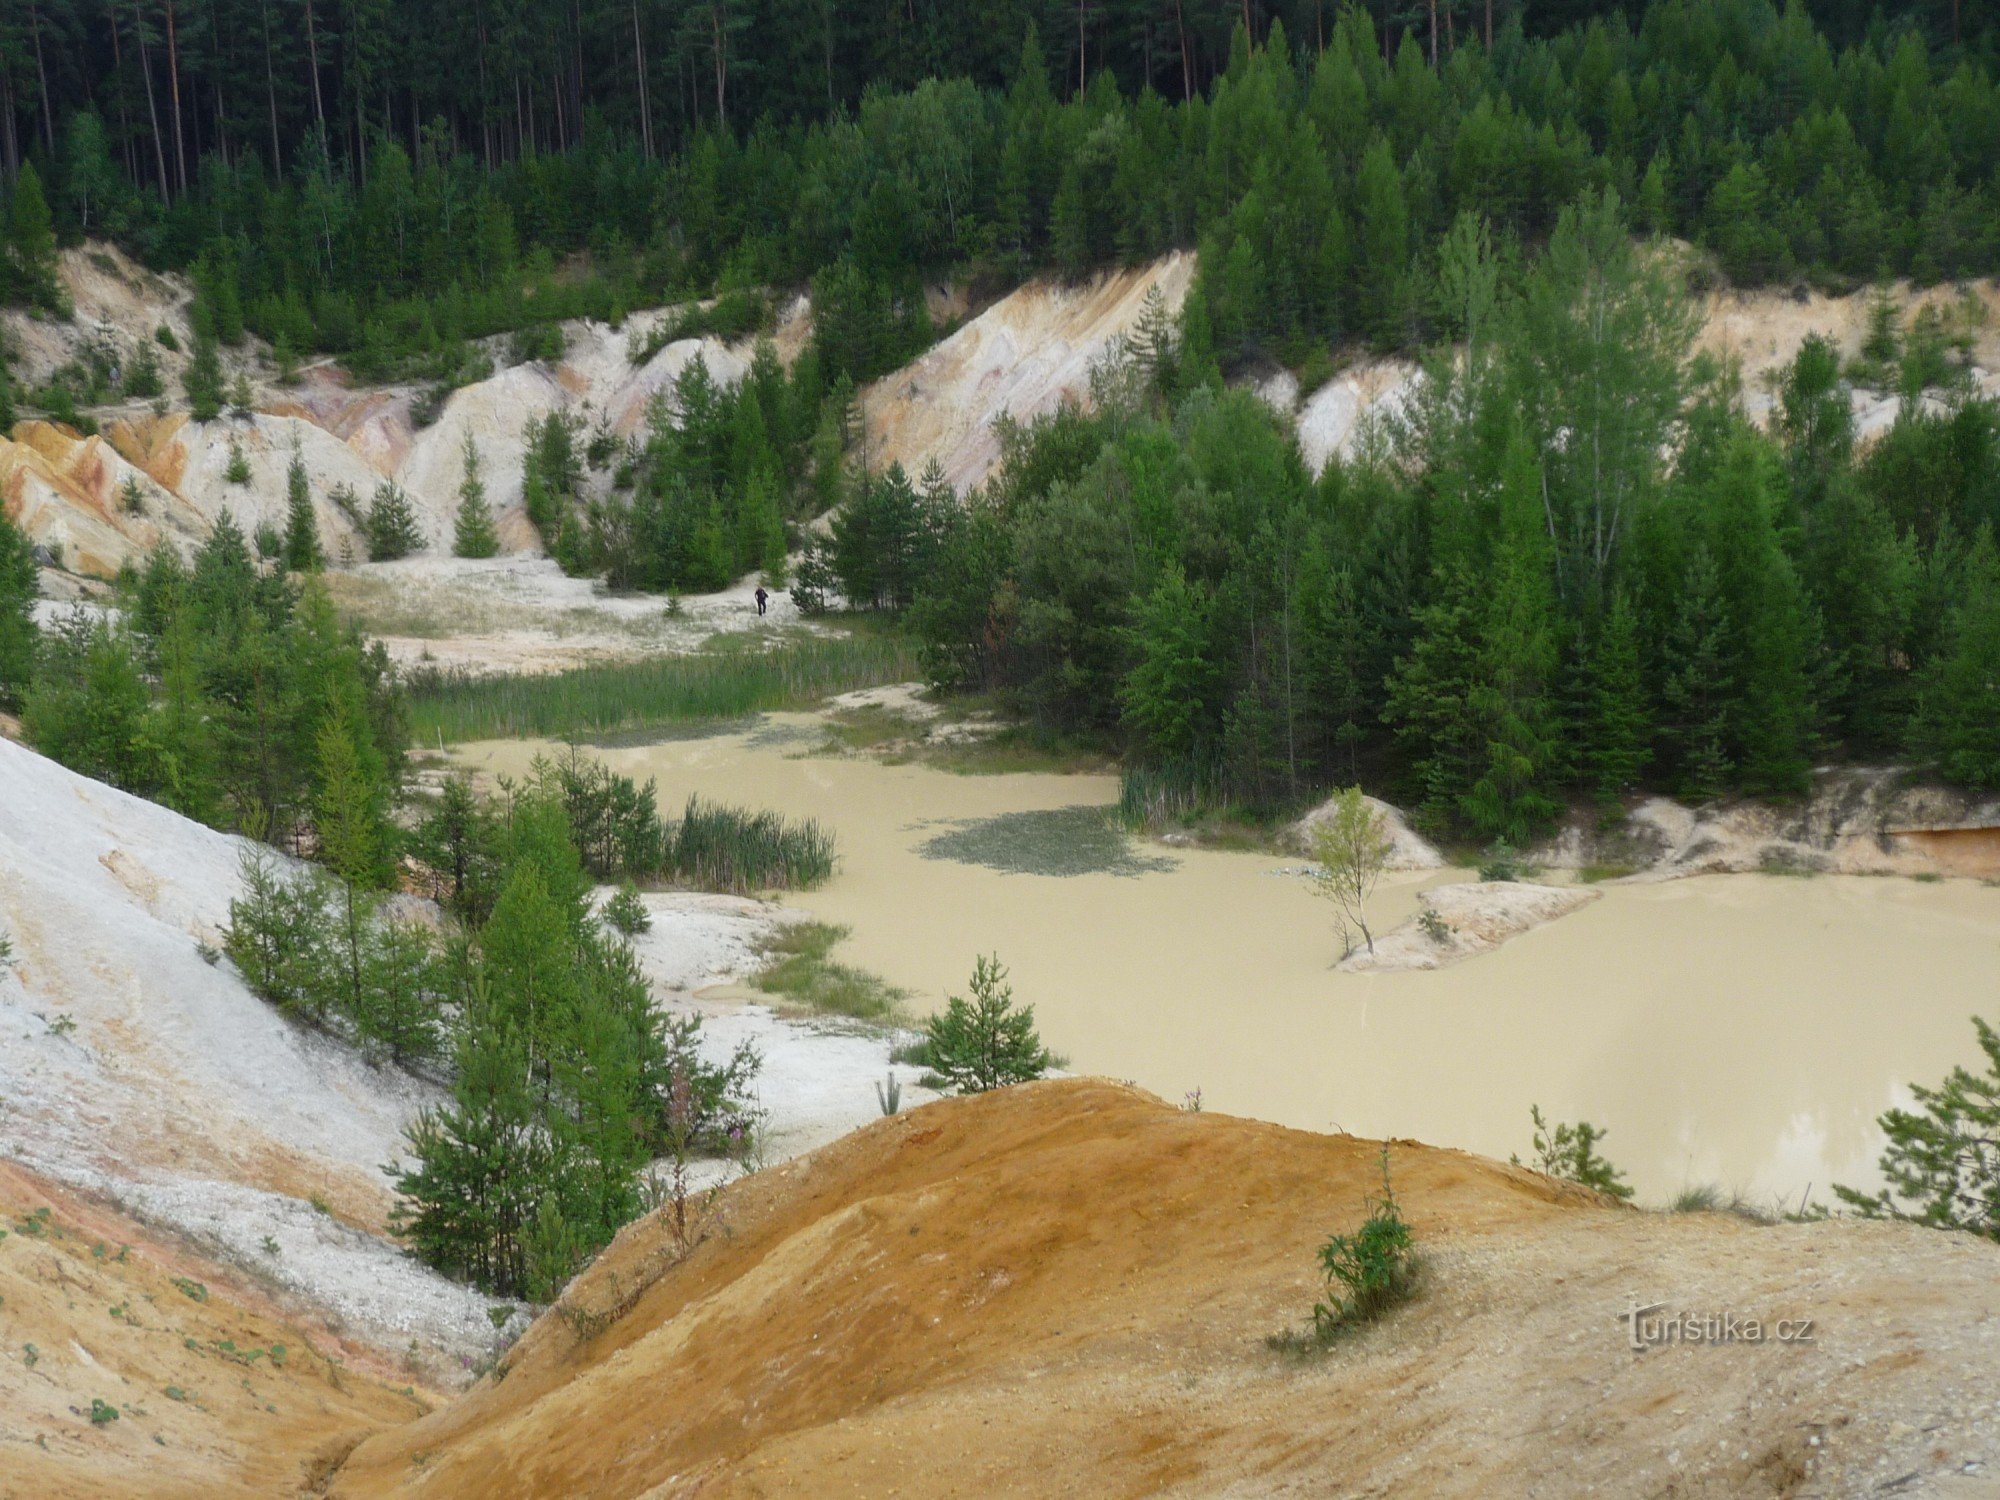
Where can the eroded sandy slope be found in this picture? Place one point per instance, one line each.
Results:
(1072, 1279)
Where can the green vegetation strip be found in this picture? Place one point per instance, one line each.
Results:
(663, 691)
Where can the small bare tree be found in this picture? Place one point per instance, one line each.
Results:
(1352, 846)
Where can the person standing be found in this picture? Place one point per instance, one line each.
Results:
(761, 598)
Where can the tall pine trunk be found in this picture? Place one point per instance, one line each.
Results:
(174, 84)
(10, 144)
(124, 117)
(639, 70)
(152, 106)
(42, 76)
(312, 61)
(1187, 62)
(271, 89)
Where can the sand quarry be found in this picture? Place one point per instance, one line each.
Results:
(971, 1296)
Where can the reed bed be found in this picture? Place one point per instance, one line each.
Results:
(660, 691)
(718, 848)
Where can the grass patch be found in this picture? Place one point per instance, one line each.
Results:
(1592, 874)
(725, 682)
(1015, 750)
(1045, 841)
(1707, 1198)
(799, 966)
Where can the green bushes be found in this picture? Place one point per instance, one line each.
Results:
(1370, 1271)
(732, 316)
(320, 950)
(718, 684)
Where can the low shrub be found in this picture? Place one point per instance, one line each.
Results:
(1368, 1273)
(1569, 1152)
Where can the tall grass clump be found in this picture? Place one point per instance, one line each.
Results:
(619, 834)
(1161, 796)
(714, 685)
(718, 848)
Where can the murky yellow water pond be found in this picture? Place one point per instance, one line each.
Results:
(1737, 1030)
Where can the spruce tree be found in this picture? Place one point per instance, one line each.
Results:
(202, 380)
(1382, 250)
(1619, 728)
(1958, 715)
(1695, 691)
(391, 525)
(1165, 696)
(302, 549)
(32, 239)
(1430, 698)
(473, 534)
(1509, 798)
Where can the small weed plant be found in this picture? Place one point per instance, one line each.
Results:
(1369, 1273)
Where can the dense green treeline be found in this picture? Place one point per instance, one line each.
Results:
(1570, 569)
(1317, 168)
(230, 693)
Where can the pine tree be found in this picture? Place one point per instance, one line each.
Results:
(238, 471)
(404, 989)
(481, 1160)
(351, 838)
(985, 1043)
(20, 587)
(302, 549)
(474, 534)
(391, 526)
(530, 962)
(182, 726)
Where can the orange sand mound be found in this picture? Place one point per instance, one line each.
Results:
(1064, 1288)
